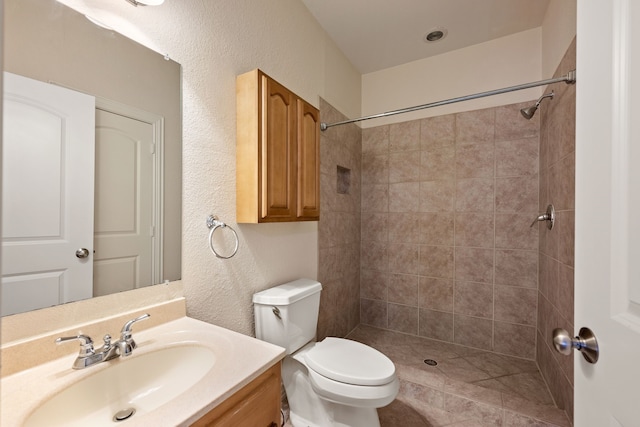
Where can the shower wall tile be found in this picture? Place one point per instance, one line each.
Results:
(403, 289)
(404, 197)
(504, 342)
(375, 169)
(473, 332)
(436, 261)
(474, 264)
(548, 275)
(562, 183)
(404, 258)
(475, 160)
(403, 318)
(374, 226)
(565, 236)
(475, 195)
(375, 140)
(436, 324)
(373, 312)
(475, 126)
(515, 305)
(436, 294)
(375, 198)
(436, 229)
(402, 227)
(373, 256)
(473, 299)
(437, 163)
(404, 166)
(374, 284)
(328, 221)
(517, 194)
(517, 157)
(514, 231)
(339, 227)
(437, 196)
(566, 292)
(556, 246)
(437, 132)
(517, 268)
(404, 136)
(474, 229)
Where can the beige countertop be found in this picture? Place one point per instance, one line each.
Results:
(238, 360)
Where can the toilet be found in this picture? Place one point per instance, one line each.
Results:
(335, 382)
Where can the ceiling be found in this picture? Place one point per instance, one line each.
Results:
(378, 34)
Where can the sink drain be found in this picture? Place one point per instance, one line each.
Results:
(125, 414)
(430, 362)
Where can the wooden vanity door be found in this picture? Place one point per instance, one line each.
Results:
(255, 405)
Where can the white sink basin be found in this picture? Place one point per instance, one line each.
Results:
(180, 371)
(141, 383)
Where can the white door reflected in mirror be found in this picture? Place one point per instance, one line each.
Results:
(48, 179)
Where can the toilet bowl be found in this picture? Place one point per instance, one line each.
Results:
(335, 382)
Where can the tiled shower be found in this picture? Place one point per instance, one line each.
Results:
(447, 250)
(429, 232)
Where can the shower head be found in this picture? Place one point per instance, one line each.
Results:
(528, 112)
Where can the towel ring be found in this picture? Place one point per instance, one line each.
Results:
(214, 223)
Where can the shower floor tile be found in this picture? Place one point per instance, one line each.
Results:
(466, 386)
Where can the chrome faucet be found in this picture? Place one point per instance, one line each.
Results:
(88, 356)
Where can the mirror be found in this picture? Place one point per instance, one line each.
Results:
(137, 115)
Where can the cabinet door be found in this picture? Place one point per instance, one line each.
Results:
(255, 405)
(308, 144)
(278, 153)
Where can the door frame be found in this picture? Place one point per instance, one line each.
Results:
(157, 123)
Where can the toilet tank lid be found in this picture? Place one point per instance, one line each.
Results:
(287, 293)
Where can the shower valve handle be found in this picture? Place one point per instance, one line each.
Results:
(549, 216)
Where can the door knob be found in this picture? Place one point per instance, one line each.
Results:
(82, 253)
(585, 343)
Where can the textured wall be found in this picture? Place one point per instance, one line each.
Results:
(339, 227)
(447, 248)
(215, 41)
(556, 249)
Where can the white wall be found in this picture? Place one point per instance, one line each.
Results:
(495, 64)
(524, 57)
(558, 30)
(215, 41)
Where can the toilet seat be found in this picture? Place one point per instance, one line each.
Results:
(362, 396)
(350, 362)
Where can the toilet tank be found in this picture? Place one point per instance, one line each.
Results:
(287, 315)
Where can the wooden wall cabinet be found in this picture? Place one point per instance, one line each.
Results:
(255, 405)
(278, 153)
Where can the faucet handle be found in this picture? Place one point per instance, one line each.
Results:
(126, 344)
(86, 344)
(126, 329)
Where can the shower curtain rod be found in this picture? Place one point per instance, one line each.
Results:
(569, 78)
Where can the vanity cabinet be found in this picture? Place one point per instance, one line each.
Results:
(278, 153)
(255, 405)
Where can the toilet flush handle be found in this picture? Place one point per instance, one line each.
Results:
(276, 311)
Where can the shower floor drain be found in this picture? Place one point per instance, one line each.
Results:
(430, 362)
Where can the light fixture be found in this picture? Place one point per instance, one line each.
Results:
(145, 2)
(434, 35)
